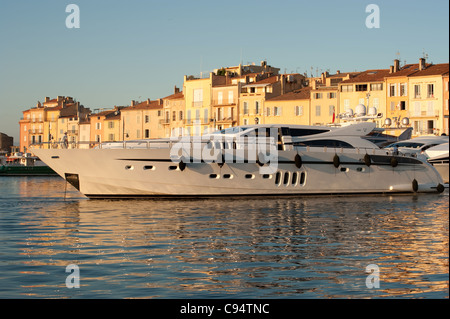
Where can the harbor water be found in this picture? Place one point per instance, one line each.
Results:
(283, 248)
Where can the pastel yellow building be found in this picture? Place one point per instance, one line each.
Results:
(290, 108)
(252, 108)
(367, 88)
(174, 114)
(426, 87)
(143, 120)
(446, 123)
(198, 102)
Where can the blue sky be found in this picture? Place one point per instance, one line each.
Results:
(139, 49)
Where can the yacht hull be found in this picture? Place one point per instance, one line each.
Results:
(135, 173)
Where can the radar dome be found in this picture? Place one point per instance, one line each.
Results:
(360, 109)
(373, 110)
(388, 122)
(349, 112)
(405, 121)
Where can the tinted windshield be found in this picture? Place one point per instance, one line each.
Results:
(407, 144)
(231, 130)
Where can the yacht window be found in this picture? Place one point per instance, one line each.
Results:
(294, 178)
(305, 132)
(406, 144)
(323, 143)
(286, 178)
(302, 178)
(278, 178)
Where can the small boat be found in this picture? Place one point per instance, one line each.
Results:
(20, 164)
(253, 160)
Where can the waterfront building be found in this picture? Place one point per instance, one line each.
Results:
(446, 123)
(174, 114)
(104, 126)
(253, 95)
(427, 98)
(198, 102)
(290, 108)
(43, 123)
(143, 120)
(225, 101)
(367, 88)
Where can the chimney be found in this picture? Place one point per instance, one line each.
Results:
(148, 101)
(47, 99)
(338, 72)
(176, 90)
(396, 65)
(160, 101)
(59, 98)
(282, 79)
(391, 69)
(422, 64)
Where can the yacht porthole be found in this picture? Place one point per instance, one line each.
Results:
(267, 176)
(278, 178)
(302, 178)
(227, 176)
(149, 167)
(172, 168)
(213, 176)
(249, 176)
(294, 178)
(129, 167)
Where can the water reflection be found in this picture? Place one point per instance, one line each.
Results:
(311, 247)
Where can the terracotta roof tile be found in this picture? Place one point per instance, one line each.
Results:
(433, 69)
(302, 94)
(377, 75)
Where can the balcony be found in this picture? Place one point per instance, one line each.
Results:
(223, 102)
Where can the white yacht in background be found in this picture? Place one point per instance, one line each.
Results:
(258, 160)
(438, 156)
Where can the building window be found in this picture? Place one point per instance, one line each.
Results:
(299, 110)
(147, 119)
(147, 133)
(181, 116)
(98, 126)
(174, 116)
(268, 111)
(317, 110)
(376, 87)
(245, 108)
(111, 137)
(331, 95)
(277, 110)
(403, 89)
(331, 110)
(417, 91)
(111, 125)
(347, 88)
(257, 110)
(317, 95)
(361, 87)
(392, 90)
(430, 90)
(402, 105)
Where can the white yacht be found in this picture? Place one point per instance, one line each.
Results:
(258, 160)
(438, 156)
